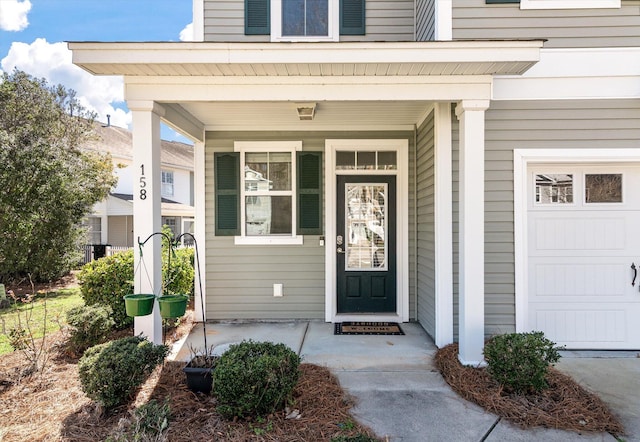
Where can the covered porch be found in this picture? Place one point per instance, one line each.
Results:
(203, 89)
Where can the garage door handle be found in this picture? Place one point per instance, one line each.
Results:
(635, 274)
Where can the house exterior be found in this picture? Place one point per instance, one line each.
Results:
(467, 164)
(111, 221)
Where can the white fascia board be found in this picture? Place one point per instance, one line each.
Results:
(593, 73)
(190, 89)
(569, 4)
(345, 52)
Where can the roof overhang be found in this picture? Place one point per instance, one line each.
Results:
(196, 59)
(203, 86)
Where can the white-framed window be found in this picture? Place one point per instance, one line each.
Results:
(171, 222)
(305, 20)
(569, 4)
(94, 229)
(167, 183)
(268, 192)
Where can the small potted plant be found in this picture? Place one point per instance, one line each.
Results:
(199, 370)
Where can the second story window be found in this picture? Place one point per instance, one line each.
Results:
(305, 20)
(167, 183)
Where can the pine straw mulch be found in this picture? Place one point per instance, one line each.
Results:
(54, 408)
(564, 405)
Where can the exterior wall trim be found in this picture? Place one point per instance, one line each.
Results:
(521, 160)
(401, 146)
(575, 73)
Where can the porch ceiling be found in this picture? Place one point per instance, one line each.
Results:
(257, 116)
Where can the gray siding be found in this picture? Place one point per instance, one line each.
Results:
(426, 226)
(604, 124)
(240, 278)
(386, 20)
(425, 20)
(473, 19)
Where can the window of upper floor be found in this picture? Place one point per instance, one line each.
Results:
(561, 4)
(167, 183)
(305, 20)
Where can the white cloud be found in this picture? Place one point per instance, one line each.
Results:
(13, 14)
(52, 61)
(187, 33)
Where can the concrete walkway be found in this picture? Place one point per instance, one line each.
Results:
(400, 395)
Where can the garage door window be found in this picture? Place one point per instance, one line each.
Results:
(603, 188)
(554, 188)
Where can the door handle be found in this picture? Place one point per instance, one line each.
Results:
(339, 250)
(635, 274)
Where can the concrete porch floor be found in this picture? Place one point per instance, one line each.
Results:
(401, 395)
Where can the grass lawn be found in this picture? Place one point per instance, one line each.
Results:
(57, 303)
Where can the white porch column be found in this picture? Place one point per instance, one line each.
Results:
(200, 228)
(443, 201)
(470, 113)
(147, 217)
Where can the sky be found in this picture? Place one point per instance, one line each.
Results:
(33, 36)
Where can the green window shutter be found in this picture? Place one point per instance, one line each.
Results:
(352, 17)
(257, 17)
(309, 193)
(227, 193)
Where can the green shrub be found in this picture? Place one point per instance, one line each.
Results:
(90, 325)
(111, 372)
(519, 361)
(255, 378)
(107, 280)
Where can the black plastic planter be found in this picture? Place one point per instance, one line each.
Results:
(199, 379)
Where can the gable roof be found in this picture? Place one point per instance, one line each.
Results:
(119, 143)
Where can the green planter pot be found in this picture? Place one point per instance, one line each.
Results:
(172, 306)
(139, 305)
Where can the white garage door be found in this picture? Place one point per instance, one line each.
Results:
(583, 239)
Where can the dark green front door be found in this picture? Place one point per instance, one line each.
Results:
(366, 244)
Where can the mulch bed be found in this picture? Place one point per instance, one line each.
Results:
(54, 408)
(564, 405)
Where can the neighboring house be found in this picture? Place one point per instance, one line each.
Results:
(472, 165)
(111, 221)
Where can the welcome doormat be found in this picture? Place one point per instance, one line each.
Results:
(367, 328)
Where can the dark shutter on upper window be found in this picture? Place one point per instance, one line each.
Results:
(352, 17)
(227, 193)
(257, 17)
(309, 193)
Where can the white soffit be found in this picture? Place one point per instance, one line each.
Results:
(195, 59)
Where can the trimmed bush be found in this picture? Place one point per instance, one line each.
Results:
(519, 361)
(110, 373)
(107, 280)
(255, 378)
(90, 325)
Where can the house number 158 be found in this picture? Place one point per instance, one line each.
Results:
(143, 183)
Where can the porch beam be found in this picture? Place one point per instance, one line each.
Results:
(147, 217)
(250, 89)
(471, 114)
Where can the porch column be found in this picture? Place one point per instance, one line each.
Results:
(147, 217)
(470, 113)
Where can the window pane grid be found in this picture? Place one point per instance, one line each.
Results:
(366, 226)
